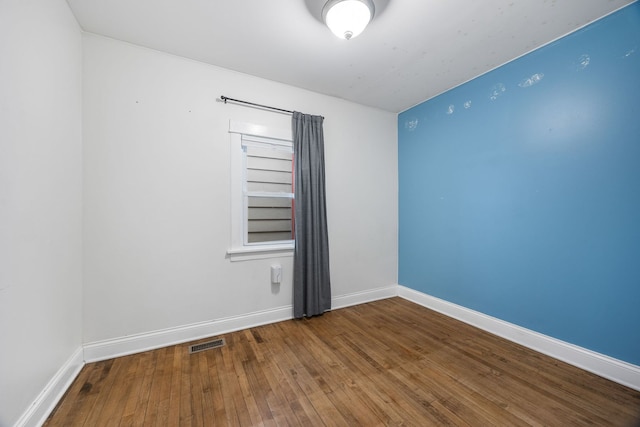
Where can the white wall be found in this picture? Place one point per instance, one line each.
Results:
(40, 198)
(156, 193)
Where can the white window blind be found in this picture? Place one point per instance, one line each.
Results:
(268, 191)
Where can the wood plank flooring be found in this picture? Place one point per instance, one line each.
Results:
(388, 362)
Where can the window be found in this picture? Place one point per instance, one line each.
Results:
(268, 191)
(262, 198)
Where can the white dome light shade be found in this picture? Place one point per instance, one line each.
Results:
(348, 18)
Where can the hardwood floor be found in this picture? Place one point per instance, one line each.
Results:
(389, 362)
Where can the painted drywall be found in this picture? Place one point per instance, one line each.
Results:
(157, 201)
(519, 191)
(40, 198)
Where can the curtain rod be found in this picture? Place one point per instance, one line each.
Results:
(239, 101)
(226, 98)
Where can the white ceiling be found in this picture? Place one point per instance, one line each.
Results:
(411, 51)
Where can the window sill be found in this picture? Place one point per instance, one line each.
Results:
(250, 253)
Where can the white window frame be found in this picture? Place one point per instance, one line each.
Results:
(239, 249)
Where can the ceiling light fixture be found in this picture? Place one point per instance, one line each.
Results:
(348, 18)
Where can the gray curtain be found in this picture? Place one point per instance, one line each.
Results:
(311, 284)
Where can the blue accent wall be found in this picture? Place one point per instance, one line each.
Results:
(519, 191)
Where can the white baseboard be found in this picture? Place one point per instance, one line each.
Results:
(613, 369)
(51, 394)
(356, 298)
(108, 349)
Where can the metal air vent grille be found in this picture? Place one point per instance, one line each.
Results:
(195, 348)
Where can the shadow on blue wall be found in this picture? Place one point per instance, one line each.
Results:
(520, 190)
